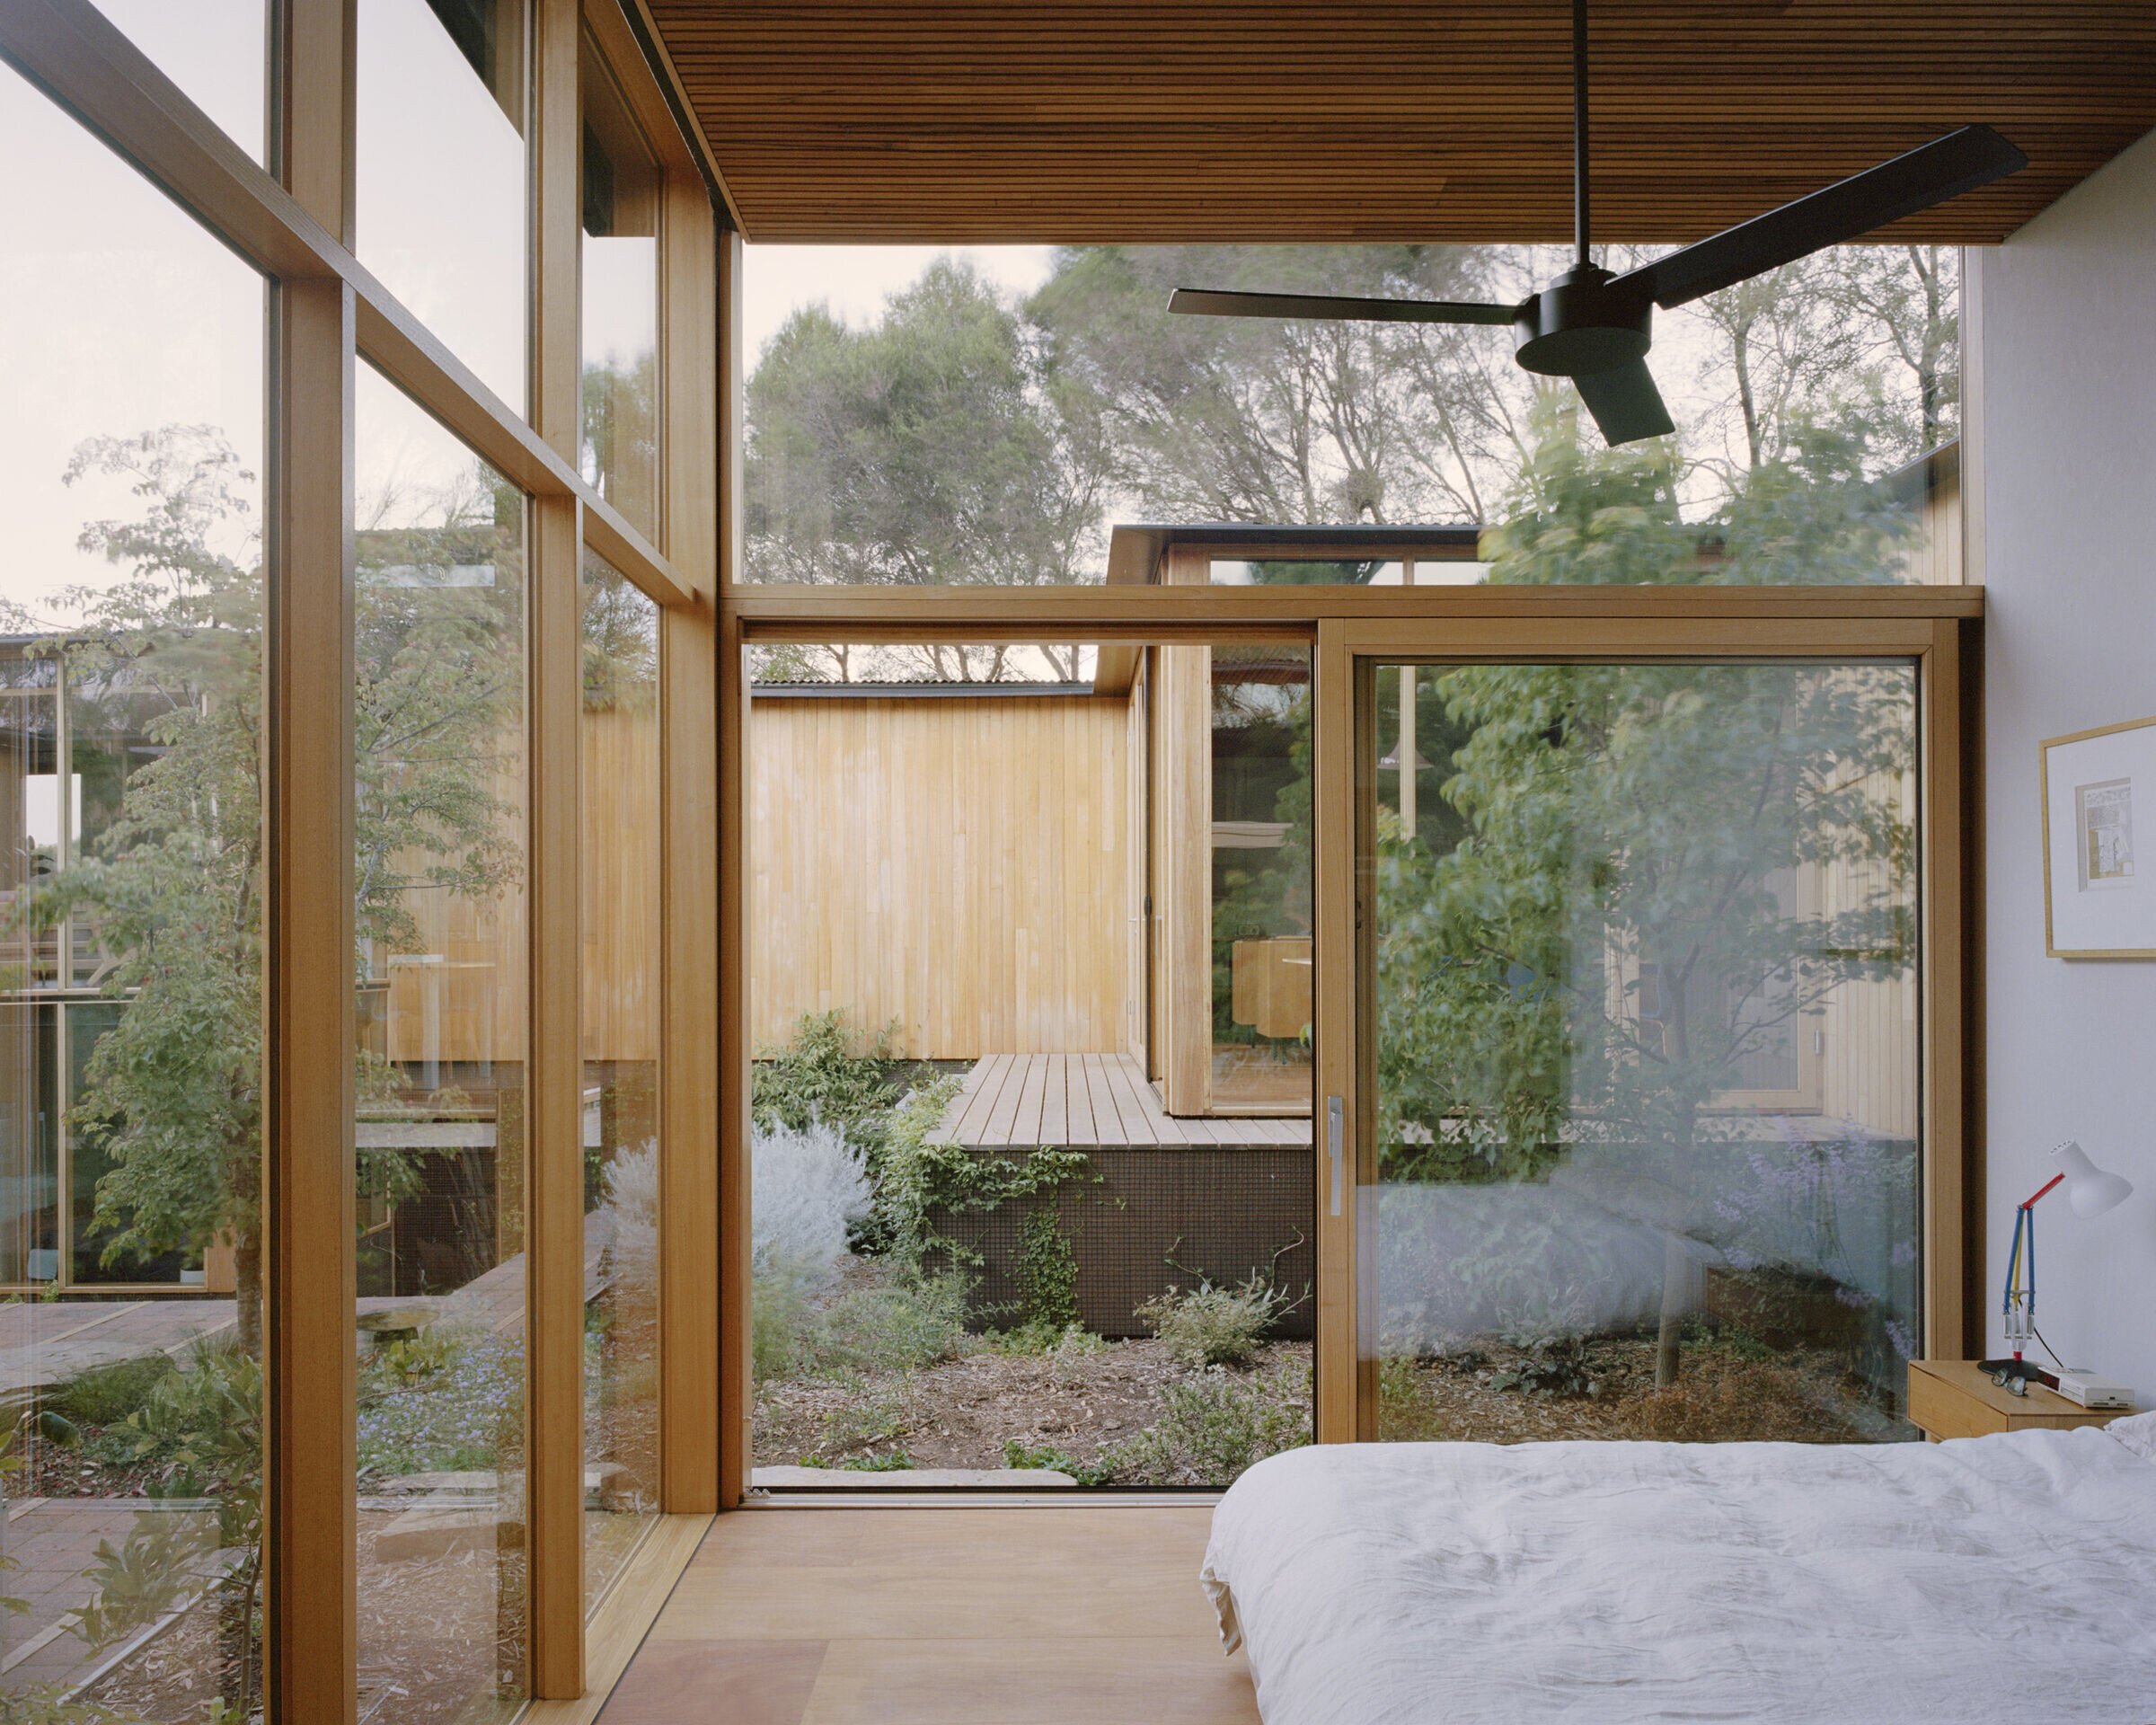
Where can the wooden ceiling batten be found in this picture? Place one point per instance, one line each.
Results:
(977, 121)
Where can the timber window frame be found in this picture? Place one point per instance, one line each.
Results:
(295, 222)
(1938, 628)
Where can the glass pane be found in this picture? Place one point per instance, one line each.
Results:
(217, 51)
(1646, 1051)
(1263, 972)
(130, 940)
(441, 829)
(1029, 920)
(621, 187)
(976, 415)
(441, 177)
(619, 865)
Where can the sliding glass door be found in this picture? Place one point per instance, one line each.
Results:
(1626, 1001)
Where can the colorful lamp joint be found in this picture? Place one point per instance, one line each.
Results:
(2091, 1191)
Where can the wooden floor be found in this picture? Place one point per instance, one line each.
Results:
(1083, 1099)
(1064, 1616)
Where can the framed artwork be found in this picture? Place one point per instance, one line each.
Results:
(2099, 842)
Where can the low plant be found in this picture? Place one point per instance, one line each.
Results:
(461, 1417)
(1052, 1460)
(898, 1324)
(892, 1461)
(104, 1395)
(1208, 1325)
(862, 1419)
(1556, 1367)
(1214, 1425)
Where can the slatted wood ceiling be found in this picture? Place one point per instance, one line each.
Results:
(981, 121)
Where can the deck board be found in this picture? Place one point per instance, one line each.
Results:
(1087, 1100)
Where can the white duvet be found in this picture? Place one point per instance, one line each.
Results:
(2003, 1579)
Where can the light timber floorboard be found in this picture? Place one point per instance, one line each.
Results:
(957, 1616)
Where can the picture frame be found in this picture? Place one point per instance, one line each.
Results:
(2098, 795)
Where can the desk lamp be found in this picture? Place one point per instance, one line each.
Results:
(2091, 1191)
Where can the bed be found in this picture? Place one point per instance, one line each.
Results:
(2008, 1577)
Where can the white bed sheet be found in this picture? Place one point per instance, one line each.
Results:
(2002, 1579)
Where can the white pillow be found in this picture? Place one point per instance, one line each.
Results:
(2138, 1434)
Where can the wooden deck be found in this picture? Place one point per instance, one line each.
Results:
(1086, 1100)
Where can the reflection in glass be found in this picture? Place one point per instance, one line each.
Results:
(130, 942)
(1646, 1051)
(619, 866)
(441, 193)
(439, 824)
(621, 187)
(217, 51)
(1262, 968)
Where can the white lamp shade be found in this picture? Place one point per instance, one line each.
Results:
(2089, 1189)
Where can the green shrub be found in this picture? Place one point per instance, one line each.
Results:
(898, 1325)
(104, 1395)
(1054, 1460)
(817, 1075)
(1214, 1426)
(1559, 1367)
(1216, 1326)
(900, 1322)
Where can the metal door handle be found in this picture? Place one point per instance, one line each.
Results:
(1334, 1116)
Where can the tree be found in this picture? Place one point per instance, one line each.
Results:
(1613, 935)
(170, 653)
(923, 450)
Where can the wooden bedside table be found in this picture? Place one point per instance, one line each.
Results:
(1950, 1398)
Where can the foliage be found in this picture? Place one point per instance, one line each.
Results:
(139, 1581)
(925, 449)
(1207, 1325)
(817, 1075)
(1049, 1458)
(51, 1703)
(104, 1395)
(1559, 1366)
(862, 1419)
(898, 1321)
(917, 1177)
(1609, 934)
(1047, 1271)
(465, 1415)
(171, 652)
(807, 1184)
(1214, 1424)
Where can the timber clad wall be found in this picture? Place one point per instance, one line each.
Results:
(957, 867)
(467, 978)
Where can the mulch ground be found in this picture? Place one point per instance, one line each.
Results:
(961, 1412)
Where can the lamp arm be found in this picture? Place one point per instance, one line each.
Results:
(2030, 1202)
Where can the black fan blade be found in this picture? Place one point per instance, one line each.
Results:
(1929, 175)
(1206, 302)
(1625, 403)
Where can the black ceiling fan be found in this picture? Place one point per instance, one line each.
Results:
(1595, 328)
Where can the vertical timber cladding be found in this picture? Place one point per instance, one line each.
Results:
(954, 867)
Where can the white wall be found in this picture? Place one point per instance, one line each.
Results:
(2065, 331)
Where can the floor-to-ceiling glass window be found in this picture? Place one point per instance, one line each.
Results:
(620, 870)
(618, 441)
(439, 824)
(1646, 1071)
(130, 940)
(442, 198)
